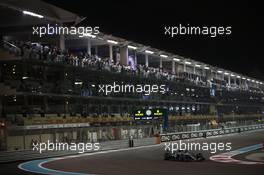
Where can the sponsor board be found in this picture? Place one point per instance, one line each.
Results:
(178, 136)
(185, 136)
(165, 138)
(215, 133)
(175, 137)
(201, 134)
(221, 132)
(194, 135)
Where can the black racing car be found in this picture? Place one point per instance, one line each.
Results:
(184, 156)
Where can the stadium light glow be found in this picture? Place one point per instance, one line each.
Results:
(89, 35)
(25, 78)
(176, 59)
(248, 79)
(132, 47)
(112, 41)
(164, 56)
(220, 71)
(243, 78)
(187, 62)
(238, 76)
(32, 14)
(78, 83)
(197, 65)
(232, 75)
(260, 83)
(226, 73)
(149, 52)
(253, 81)
(206, 67)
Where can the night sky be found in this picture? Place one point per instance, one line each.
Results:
(144, 22)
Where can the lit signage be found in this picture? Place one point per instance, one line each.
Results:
(158, 112)
(139, 114)
(149, 114)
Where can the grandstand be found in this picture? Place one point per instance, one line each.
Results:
(49, 86)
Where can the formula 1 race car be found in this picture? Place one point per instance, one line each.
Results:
(183, 156)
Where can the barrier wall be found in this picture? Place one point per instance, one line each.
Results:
(83, 134)
(207, 133)
(11, 156)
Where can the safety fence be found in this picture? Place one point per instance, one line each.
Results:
(207, 133)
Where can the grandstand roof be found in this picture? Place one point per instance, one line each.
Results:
(11, 12)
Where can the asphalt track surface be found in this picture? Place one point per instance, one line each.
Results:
(150, 161)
